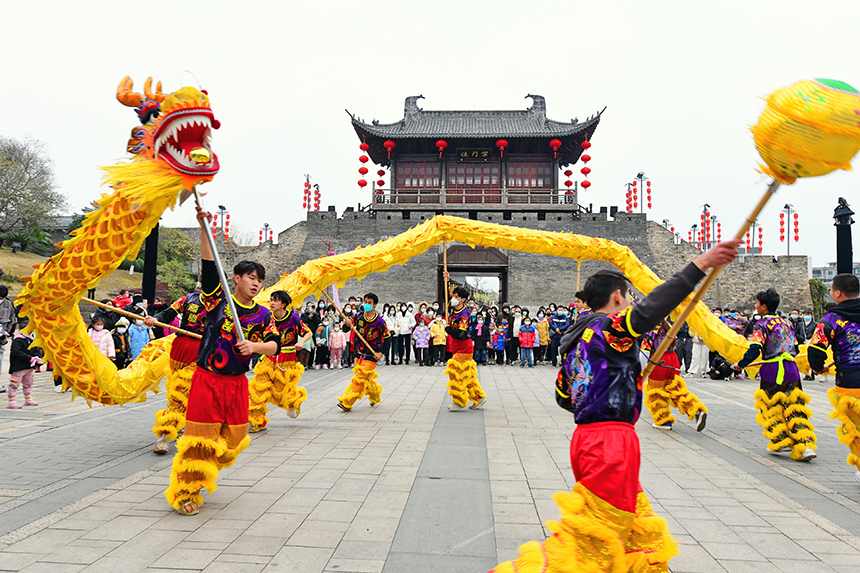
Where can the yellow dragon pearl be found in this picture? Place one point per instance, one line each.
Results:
(200, 155)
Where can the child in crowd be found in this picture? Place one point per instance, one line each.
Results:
(336, 342)
(527, 337)
(491, 354)
(122, 350)
(102, 337)
(437, 351)
(499, 339)
(22, 361)
(139, 336)
(422, 335)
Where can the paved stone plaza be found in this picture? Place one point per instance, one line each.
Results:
(408, 486)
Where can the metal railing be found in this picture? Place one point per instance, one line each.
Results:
(460, 196)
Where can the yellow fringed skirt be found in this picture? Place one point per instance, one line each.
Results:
(784, 418)
(275, 383)
(363, 384)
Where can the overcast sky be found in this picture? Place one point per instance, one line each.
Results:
(682, 82)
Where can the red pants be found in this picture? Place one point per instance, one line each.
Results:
(184, 349)
(217, 405)
(605, 459)
(670, 367)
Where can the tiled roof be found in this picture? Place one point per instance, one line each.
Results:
(532, 122)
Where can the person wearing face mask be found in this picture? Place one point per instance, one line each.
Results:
(558, 324)
(437, 348)
(139, 336)
(405, 324)
(527, 336)
(542, 327)
(462, 371)
(369, 325)
(183, 362)
(23, 360)
(480, 334)
(120, 344)
(336, 344)
(514, 340)
(102, 338)
(797, 325)
(276, 378)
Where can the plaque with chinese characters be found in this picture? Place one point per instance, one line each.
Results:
(471, 154)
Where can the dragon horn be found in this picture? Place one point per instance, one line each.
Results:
(124, 94)
(147, 89)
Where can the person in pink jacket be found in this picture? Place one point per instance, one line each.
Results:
(336, 344)
(527, 336)
(102, 338)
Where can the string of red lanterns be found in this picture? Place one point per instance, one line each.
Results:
(316, 197)
(226, 226)
(306, 198)
(363, 159)
(381, 182)
(568, 183)
(648, 189)
(796, 228)
(585, 158)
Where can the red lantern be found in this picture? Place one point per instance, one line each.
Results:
(362, 183)
(586, 159)
(796, 238)
(381, 172)
(441, 145)
(568, 183)
(364, 159)
(362, 170)
(586, 184)
(554, 145)
(381, 183)
(672, 229)
(364, 147)
(585, 171)
(568, 173)
(389, 145)
(648, 183)
(649, 204)
(379, 191)
(502, 144)
(585, 144)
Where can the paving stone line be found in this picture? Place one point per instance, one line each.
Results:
(118, 411)
(42, 491)
(822, 522)
(780, 469)
(38, 525)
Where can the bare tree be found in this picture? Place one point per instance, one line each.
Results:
(28, 192)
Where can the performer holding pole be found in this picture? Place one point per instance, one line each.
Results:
(133, 316)
(371, 330)
(462, 369)
(840, 330)
(216, 425)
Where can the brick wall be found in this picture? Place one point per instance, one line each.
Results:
(533, 279)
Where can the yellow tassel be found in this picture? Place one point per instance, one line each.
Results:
(229, 456)
(171, 420)
(681, 398)
(846, 409)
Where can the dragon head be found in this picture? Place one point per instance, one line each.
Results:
(175, 130)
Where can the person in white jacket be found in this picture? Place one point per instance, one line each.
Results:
(699, 364)
(405, 322)
(389, 347)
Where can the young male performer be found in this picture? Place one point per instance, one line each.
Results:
(216, 424)
(183, 362)
(607, 523)
(462, 370)
(372, 327)
(666, 388)
(276, 379)
(840, 328)
(780, 399)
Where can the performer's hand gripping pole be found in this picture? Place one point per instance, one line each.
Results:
(709, 280)
(357, 333)
(134, 316)
(204, 228)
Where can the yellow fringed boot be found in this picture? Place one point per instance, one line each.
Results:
(846, 409)
(650, 546)
(595, 537)
(463, 384)
(657, 402)
(363, 384)
(681, 398)
(171, 420)
(801, 430)
(195, 467)
(772, 420)
(292, 395)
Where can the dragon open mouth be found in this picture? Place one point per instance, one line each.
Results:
(181, 132)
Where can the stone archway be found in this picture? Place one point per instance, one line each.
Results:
(478, 261)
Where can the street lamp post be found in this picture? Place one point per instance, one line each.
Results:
(844, 250)
(642, 179)
(221, 210)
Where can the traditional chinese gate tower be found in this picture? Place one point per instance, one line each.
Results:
(455, 161)
(485, 165)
